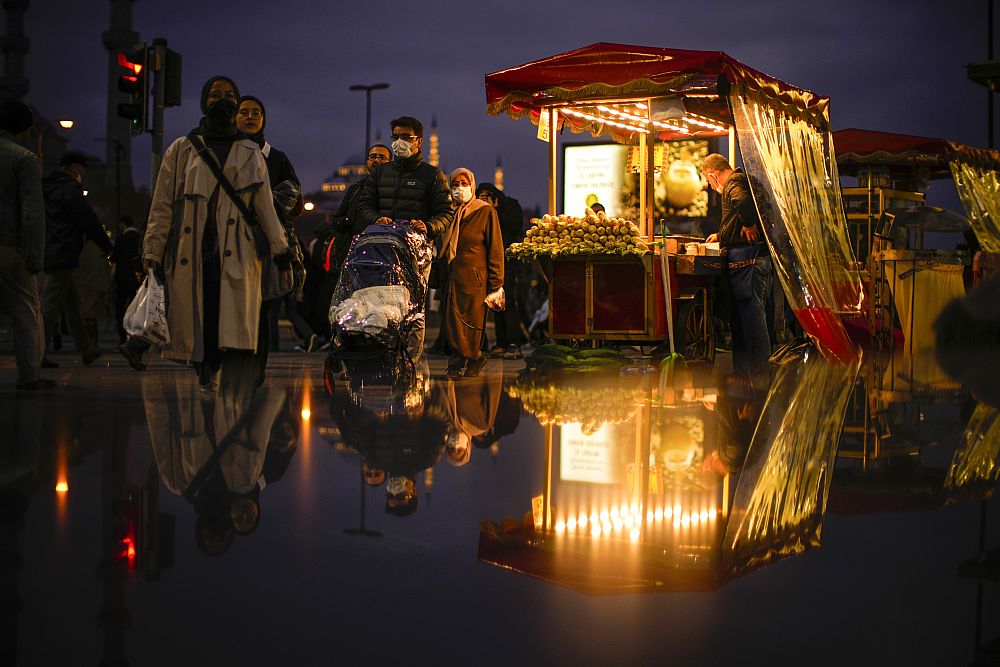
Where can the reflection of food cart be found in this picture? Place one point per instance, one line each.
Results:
(640, 96)
(637, 503)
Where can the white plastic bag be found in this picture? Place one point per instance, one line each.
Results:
(146, 317)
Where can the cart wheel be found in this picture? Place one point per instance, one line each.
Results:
(694, 332)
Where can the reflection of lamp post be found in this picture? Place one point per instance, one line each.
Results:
(368, 110)
(119, 154)
(362, 529)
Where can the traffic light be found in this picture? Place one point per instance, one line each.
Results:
(135, 82)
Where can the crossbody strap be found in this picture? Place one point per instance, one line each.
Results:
(227, 187)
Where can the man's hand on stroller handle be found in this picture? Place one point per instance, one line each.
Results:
(419, 226)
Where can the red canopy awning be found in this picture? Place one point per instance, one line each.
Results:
(900, 152)
(620, 71)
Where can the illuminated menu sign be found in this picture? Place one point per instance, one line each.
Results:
(587, 457)
(593, 170)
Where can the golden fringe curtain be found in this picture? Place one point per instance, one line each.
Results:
(979, 191)
(796, 186)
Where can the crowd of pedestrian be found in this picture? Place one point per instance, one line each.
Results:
(220, 236)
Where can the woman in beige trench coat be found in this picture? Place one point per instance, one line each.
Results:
(204, 244)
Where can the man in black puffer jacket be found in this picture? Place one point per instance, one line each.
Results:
(408, 189)
(68, 220)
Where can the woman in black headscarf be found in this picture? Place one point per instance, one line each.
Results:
(206, 245)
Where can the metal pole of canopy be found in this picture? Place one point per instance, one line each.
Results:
(553, 126)
(650, 156)
(643, 195)
(732, 145)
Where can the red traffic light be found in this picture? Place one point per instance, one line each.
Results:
(123, 61)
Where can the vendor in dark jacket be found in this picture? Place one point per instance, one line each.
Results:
(69, 219)
(408, 189)
(749, 265)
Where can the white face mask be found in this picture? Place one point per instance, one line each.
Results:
(396, 486)
(461, 194)
(402, 148)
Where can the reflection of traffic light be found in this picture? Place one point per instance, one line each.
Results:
(135, 82)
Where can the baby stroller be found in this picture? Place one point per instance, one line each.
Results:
(377, 309)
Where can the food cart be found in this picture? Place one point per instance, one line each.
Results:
(909, 282)
(643, 95)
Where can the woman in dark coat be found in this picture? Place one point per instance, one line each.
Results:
(473, 248)
(250, 120)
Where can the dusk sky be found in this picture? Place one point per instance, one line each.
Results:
(895, 66)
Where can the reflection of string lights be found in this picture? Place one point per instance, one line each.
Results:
(626, 520)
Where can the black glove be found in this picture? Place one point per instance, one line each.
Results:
(284, 261)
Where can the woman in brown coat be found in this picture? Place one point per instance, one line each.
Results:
(473, 248)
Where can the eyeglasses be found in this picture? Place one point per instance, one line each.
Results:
(255, 113)
(404, 137)
(378, 157)
(215, 94)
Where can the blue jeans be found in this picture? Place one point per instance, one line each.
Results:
(751, 288)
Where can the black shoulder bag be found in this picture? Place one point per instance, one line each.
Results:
(260, 240)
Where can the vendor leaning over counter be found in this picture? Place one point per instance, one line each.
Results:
(749, 264)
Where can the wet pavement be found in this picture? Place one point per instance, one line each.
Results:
(827, 515)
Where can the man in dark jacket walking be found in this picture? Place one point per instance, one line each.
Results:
(22, 243)
(407, 189)
(347, 223)
(68, 219)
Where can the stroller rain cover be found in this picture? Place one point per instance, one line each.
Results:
(382, 285)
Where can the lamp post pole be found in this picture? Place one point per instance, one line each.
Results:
(119, 154)
(368, 88)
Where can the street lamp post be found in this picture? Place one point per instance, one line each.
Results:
(119, 154)
(368, 110)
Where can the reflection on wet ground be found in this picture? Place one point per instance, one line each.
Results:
(386, 511)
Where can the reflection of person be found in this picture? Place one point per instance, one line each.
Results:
(205, 244)
(749, 265)
(473, 250)
(470, 408)
(394, 445)
(218, 453)
(738, 410)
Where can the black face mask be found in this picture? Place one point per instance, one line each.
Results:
(223, 112)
